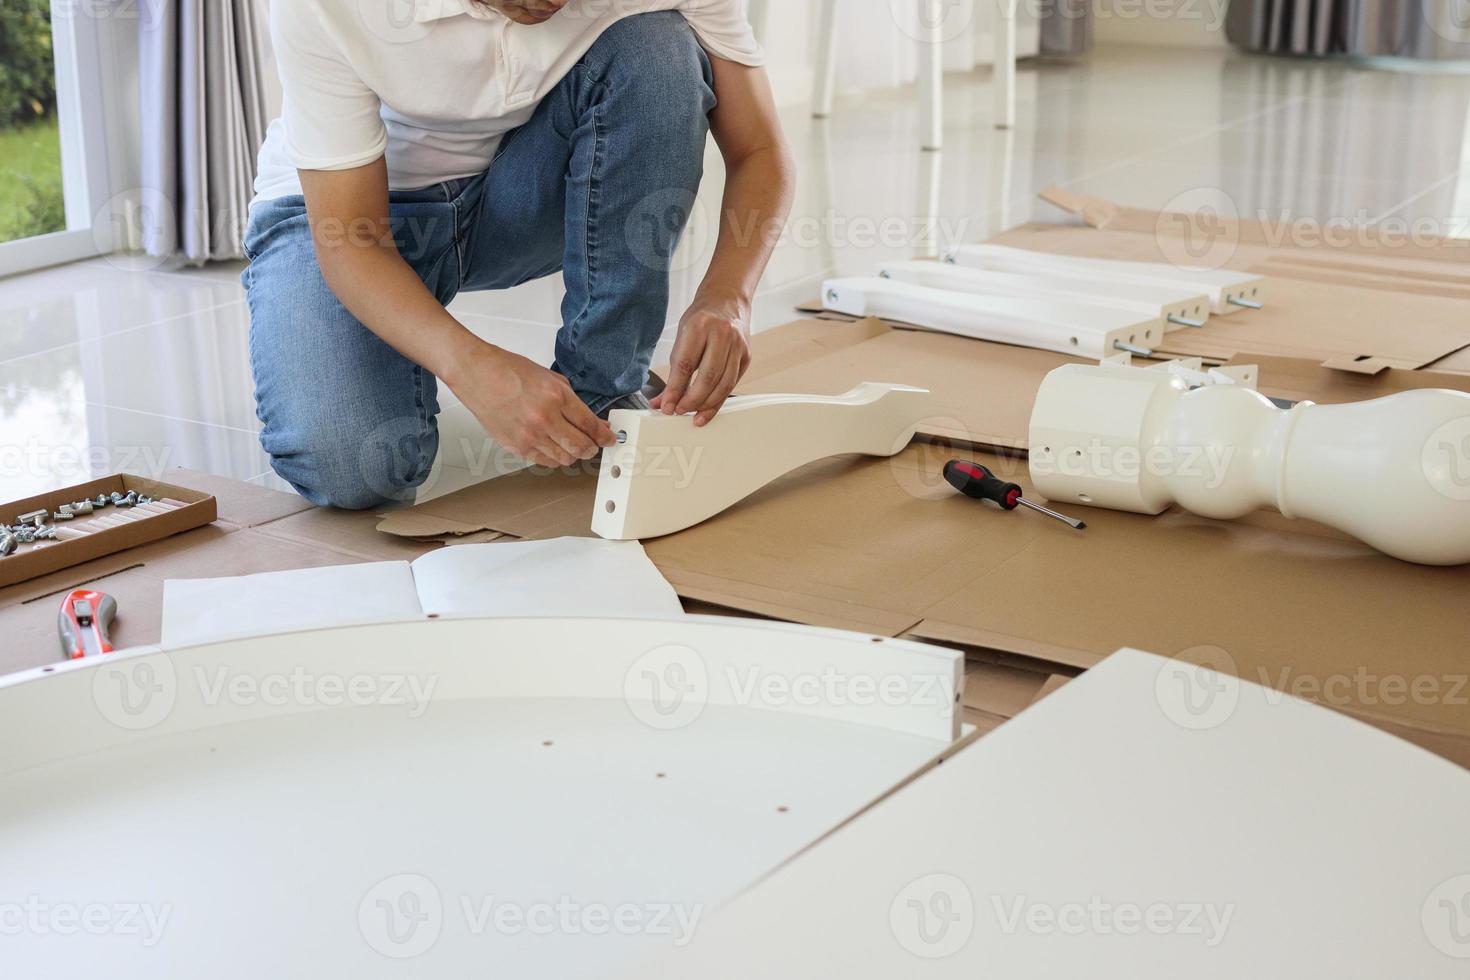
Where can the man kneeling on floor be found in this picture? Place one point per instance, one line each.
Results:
(480, 144)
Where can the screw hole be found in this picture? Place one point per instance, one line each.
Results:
(1075, 342)
(622, 436)
(611, 507)
(616, 472)
(783, 809)
(660, 775)
(1085, 498)
(546, 744)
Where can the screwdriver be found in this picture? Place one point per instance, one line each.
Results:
(974, 480)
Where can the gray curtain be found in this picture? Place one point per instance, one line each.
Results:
(1401, 28)
(203, 109)
(1066, 26)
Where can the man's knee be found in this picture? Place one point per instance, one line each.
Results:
(658, 56)
(352, 466)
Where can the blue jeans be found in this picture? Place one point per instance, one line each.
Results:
(598, 185)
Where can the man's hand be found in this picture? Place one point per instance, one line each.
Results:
(711, 355)
(528, 11)
(529, 410)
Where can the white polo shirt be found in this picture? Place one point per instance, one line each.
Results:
(435, 84)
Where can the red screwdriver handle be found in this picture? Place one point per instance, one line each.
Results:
(974, 480)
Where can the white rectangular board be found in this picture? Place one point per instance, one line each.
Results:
(1227, 288)
(1148, 821)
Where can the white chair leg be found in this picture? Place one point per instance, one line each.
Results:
(931, 72)
(931, 243)
(1005, 64)
(824, 89)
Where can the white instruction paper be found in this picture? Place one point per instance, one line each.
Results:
(585, 577)
(582, 577)
(207, 609)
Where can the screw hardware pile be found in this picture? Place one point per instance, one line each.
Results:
(44, 525)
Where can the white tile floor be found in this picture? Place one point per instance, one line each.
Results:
(108, 365)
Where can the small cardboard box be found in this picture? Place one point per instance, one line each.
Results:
(32, 561)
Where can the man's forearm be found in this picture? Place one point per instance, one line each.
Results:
(384, 292)
(758, 194)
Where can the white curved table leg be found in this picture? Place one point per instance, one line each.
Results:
(667, 475)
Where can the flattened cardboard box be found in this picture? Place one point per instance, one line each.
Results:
(885, 546)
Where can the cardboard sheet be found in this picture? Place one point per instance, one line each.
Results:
(885, 546)
(1298, 380)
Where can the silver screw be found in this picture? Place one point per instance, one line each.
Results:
(7, 544)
